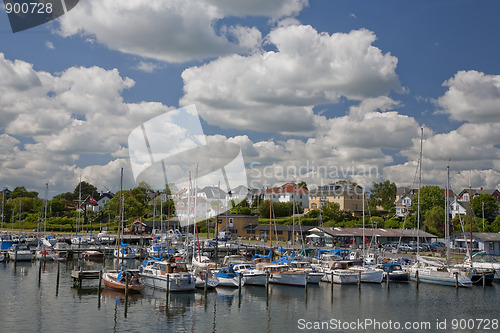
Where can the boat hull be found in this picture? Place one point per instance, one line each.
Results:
(447, 278)
(111, 281)
(289, 278)
(177, 282)
(369, 275)
(340, 276)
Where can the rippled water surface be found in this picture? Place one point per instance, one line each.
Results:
(30, 304)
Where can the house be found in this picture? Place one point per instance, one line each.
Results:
(404, 201)
(458, 208)
(348, 196)
(289, 192)
(278, 232)
(236, 224)
(464, 195)
(488, 242)
(403, 205)
(345, 237)
(102, 199)
(6, 192)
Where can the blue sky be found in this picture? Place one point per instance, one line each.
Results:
(297, 84)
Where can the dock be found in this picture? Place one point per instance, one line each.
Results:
(79, 275)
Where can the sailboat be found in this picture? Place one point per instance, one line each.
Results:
(125, 279)
(368, 274)
(432, 270)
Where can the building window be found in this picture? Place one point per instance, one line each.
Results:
(250, 231)
(314, 206)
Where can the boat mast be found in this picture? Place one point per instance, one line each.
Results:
(470, 207)
(119, 221)
(270, 220)
(46, 198)
(447, 216)
(418, 194)
(363, 227)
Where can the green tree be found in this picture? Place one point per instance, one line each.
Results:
(384, 195)
(490, 206)
(434, 221)
(430, 196)
(302, 184)
(86, 190)
(21, 192)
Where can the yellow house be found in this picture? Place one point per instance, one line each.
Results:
(349, 197)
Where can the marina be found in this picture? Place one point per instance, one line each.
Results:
(282, 309)
(73, 293)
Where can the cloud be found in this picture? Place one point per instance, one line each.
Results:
(49, 45)
(173, 31)
(277, 90)
(50, 121)
(472, 96)
(147, 66)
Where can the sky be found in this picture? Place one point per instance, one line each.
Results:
(311, 91)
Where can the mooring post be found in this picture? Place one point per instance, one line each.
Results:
(205, 288)
(168, 288)
(239, 285)
(387, 281)
(40, 272)
(456, 280)
(484, 280)
(126, 286)
(57, 279)
(417, 278)
(331, 280)
(359, 280)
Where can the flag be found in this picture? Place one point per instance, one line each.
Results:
(92, 201)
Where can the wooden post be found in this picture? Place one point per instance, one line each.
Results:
(168, 286)
(267, 283)
(359, 280)
(205, 288)
(126, 287)
(239, 285)
(57, 279)
(40, 272)
(99, 285)
(387, 282)
(416, 278)
(331, 280)
(456, 280)
(484, 280)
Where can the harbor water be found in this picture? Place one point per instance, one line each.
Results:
(33, 302)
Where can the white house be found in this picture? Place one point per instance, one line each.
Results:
(289, 192)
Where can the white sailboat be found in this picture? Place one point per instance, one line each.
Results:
(433, 270)
(368, 274)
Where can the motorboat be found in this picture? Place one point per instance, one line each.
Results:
(338, 272)
(281, 274)
(20, 252)
(167, 274)
(249, 274)
(394, 272)
(368, 274)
